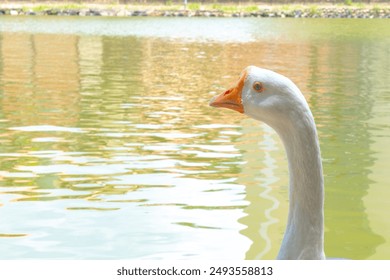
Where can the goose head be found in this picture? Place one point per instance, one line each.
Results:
(265, 96)
(275, 100)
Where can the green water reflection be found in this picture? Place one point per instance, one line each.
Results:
(109, 149)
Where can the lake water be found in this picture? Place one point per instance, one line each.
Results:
(109, 149)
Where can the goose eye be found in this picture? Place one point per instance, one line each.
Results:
(257, 86)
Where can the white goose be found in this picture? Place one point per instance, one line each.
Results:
(275, 100)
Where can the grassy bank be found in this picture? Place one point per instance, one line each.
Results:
(197, 9)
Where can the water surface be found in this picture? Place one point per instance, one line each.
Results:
(109, 149)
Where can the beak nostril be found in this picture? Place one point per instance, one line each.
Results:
(227, 92)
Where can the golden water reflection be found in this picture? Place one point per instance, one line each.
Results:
(110, 141)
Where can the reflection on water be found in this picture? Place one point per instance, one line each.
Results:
(109, 148)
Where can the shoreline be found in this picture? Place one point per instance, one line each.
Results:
(198, 10)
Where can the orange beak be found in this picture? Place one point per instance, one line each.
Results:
(232, 98)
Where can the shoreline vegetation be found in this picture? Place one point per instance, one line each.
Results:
(196, 9)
